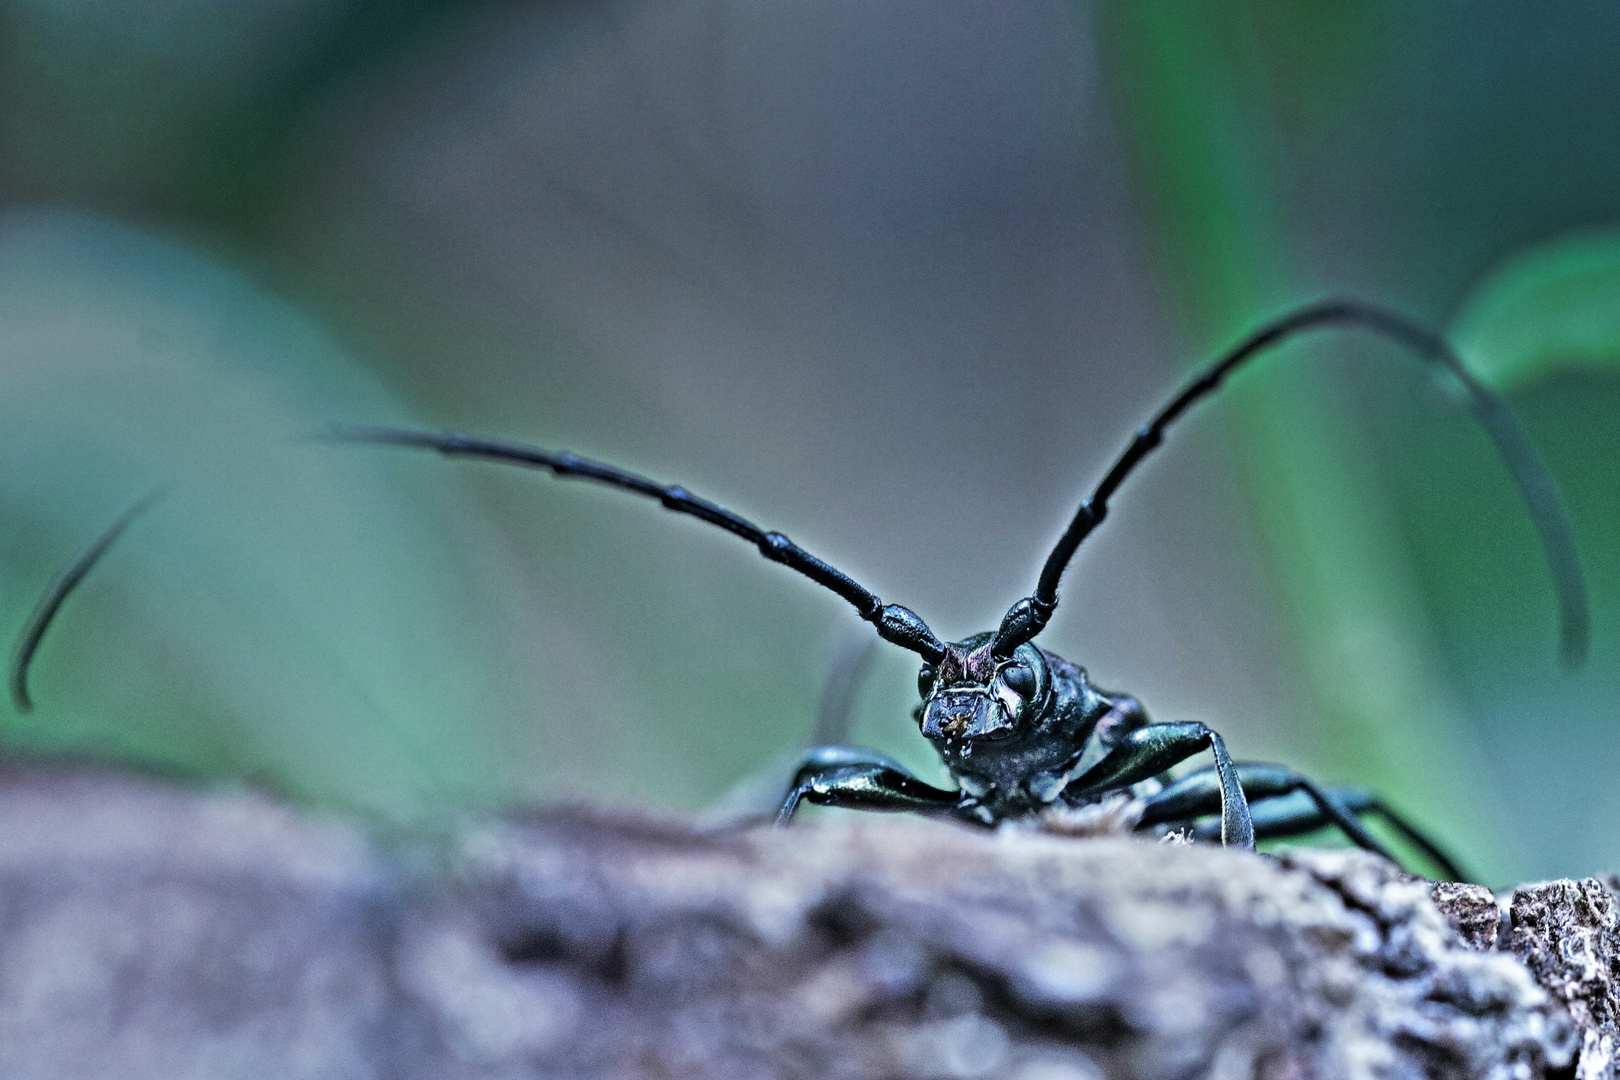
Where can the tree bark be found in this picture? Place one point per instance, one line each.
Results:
(149, 930)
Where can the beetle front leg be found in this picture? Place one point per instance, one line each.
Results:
(1149, 751)
(861, 780)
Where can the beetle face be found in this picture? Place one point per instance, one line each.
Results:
(971, 696)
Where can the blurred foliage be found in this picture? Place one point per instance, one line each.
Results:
(1412, 585)
(1202, 93)
(1549, 311)
(357, 630)
(186, 108)
(250, 626)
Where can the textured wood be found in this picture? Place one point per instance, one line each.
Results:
(151, 931)
(1567, 934)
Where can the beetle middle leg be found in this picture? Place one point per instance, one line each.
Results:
(1286, 803)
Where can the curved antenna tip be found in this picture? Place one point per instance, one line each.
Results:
(1575, 641)
(19, 691)
(67, 579)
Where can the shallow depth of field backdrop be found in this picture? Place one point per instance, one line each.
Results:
(894, 277)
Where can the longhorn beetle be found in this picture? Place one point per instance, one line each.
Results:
(1019, 728)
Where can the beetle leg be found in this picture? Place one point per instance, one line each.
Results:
(1125, 716)
(861, 780)
(1278, 817)
(1286, 804)
(1148, 751)
(1191, 796)
(1418, 839)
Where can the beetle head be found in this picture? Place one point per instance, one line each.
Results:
(970, 695)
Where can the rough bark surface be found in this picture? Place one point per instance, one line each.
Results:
(1567, 934)
(151, 931)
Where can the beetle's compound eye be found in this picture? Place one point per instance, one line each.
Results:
(925, 680)
(1023, 684)
(1020, 679)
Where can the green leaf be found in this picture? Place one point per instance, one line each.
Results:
(1550, 310)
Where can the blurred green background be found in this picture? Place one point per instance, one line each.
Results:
(896, 278)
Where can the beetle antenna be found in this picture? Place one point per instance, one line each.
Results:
(893, 623)
(1030, 615)
(66, 580)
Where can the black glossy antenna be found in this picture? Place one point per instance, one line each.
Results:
(894, 623)
(1030, 615)
(66, 580)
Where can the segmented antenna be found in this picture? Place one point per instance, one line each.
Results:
(894, 623)
(66, 580)
(1030, 615)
